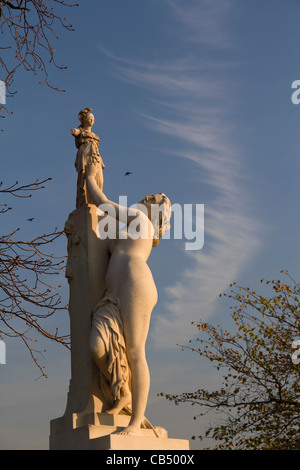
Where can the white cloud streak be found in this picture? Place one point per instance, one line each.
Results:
(200, 122)
(203, 21)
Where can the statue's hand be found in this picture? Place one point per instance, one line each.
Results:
(75, 132)
(91, 167)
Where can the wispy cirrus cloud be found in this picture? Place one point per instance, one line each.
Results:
(204, 21)
(231, 234)
(194, 108)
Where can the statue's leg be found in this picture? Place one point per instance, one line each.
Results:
(98, 352)
(100, 357)
(137, 298)
(122, 402)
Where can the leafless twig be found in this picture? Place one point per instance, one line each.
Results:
(27, 297)
(27, 31)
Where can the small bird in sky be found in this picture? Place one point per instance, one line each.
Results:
(128, 173)
(30, 220)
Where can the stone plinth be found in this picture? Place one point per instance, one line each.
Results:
(95, 432)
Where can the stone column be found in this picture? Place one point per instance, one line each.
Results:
(86, 268)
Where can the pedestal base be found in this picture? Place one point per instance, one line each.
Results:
(95, 432)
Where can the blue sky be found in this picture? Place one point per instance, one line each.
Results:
(193, 97)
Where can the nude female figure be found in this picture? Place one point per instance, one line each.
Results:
(130, 279)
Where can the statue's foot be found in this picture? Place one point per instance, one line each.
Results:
(130, 431)
(120, 404)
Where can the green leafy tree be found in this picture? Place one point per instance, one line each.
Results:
(258, 403)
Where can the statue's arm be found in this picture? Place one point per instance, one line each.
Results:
(75, 132)
(121, 213)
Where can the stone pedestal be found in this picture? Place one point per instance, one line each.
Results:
(95, 432)
(86, 269)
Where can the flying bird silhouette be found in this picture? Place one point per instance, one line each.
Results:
(30, 220)
(128, 173)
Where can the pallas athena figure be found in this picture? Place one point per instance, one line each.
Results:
(87, 143)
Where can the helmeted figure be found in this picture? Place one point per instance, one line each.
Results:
(87, 143)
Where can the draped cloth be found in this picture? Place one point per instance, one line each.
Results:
(108, 323)
(87, 144)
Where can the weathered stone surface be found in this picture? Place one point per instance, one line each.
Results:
(99, 435)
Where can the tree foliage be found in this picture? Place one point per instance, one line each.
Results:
(27, 297)
(28, 31)
(258, 404)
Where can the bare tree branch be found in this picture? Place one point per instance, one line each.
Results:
(29, 29)
(27, 296)
(21, 191)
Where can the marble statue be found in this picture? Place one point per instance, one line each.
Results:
(121, 319)
(87, 143)
(111, 298)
